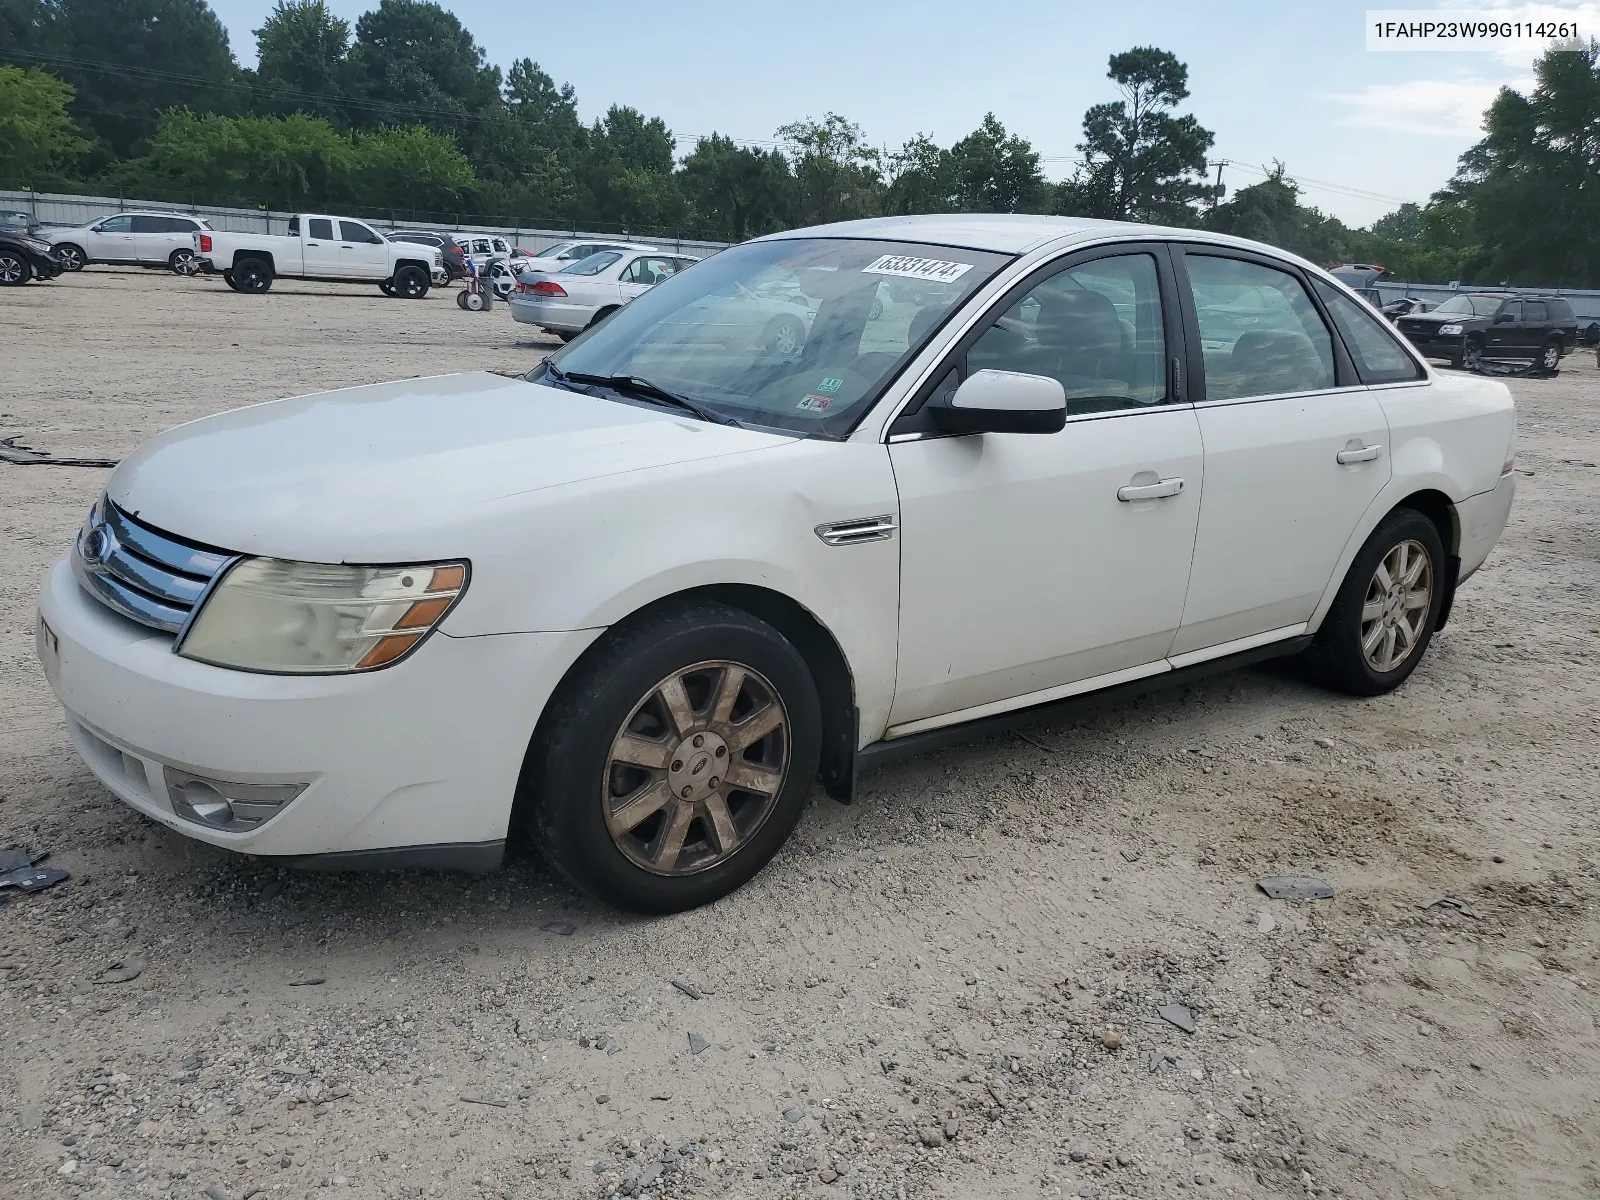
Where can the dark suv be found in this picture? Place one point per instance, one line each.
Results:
(455, 265)
(1478, 325)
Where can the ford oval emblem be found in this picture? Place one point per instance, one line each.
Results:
(95, 544)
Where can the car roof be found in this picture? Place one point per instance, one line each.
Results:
(1011, 233)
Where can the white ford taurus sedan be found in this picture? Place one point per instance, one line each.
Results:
(638, 603)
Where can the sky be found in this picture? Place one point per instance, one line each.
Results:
(1361, 131)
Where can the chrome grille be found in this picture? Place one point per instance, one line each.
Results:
(146, 575)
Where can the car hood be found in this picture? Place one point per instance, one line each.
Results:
(340, 476)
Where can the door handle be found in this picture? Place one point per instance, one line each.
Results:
(1359, 454)
(1150, 491)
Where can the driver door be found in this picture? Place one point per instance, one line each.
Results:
(1033, 563)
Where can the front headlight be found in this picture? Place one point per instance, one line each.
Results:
(295, 618)
(1449, 330)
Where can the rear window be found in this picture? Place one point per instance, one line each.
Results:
(1377, 353)
(1560, 310)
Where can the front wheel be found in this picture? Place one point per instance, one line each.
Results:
(1550, 357)
(1469, 356)
(15, 270)
(410, 283)
(71, 258)
(252, 276)
(1384, 616)
(676, 761)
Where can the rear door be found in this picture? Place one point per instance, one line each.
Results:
(321, 249)
(362, 253)
(1534, 328)
(1296, 448)
(1501, 339)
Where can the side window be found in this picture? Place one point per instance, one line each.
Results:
(1095, 327)
(1511, 310)
(118, 224)
(1260, 335)
(294, 226)
(480, 246)
(320, 227)
(355, 231)
(149, 225)
(1377, 353)
(633, 272)
(1533, 312)
(500, 246)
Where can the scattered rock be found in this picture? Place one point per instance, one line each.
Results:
(698, 1044)
(309, 981)
(689, 990)
(931, 1138)
(119, 972)
(1295, 887)
(273, 890)
(1266, 924)
(661, 1095)
(216, 1192)
(794, 1115)
(1111, 1040)
(488, 1100)
(560, 928)
(1324, 743)
(1178, 1015)
(602, 1098)
(1078, 1154)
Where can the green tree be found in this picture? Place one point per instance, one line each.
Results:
(414, 63)
(1404, 224)
(1141, 162)
(37, 137)
(838, 176)
(735, 192)
(1531, 183)
(129, 61)
(283, 162)
(992, 171)
(919, 179)
(410, 167)
(548, 113)
(1271, 212)
(303, 49)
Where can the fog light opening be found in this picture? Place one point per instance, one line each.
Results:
(206, 804)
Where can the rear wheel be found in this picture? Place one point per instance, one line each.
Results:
(227, 278)
(1550, 356)
(181, 261)
(386, 287)
(252, 276)
(72, 258)
(600, 316)
(15, 270)
(1384, 616)
(410, 283)
(677, 760)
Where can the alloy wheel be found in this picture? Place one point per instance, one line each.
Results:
(12, 269)
(786, 338)
(1396, 609)
(409, 285)
(1552, 357)
(1472, 356)
(70, 257)
(696, 769)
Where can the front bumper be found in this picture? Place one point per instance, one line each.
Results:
(422, 757)
(1432, 345)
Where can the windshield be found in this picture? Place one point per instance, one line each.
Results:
(1470, 306)
(592, 265)
(794, 334)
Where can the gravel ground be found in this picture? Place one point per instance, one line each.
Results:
(948, 990)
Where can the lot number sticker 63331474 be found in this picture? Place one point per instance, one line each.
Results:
(933, 270)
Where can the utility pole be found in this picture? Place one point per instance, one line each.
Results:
(1216, 192)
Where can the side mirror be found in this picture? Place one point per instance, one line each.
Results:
(1004, 402)
(1504, 318)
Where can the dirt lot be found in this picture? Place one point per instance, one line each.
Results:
(912, 1001)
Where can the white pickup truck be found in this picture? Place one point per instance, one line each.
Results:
(333, 249)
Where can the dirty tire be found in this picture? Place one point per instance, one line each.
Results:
(1550, 356)
(567, 778)
(252, 276)
(410, 283)
(1467, 358)
(1336, 658)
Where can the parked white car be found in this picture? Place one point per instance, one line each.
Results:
(553, 258)
(639, 602)
(586, 292)
(325, 248)
(139, 239)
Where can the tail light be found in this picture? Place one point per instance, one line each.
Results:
(205, 243)
(548, 287)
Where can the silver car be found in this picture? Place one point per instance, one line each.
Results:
(139, 239)
(568, 301)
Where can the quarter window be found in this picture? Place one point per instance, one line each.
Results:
(1378, 355)
(1260, 335)
(1096, 327)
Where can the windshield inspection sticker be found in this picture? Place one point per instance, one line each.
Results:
(932, 269)
(811, 402)
(830, 385)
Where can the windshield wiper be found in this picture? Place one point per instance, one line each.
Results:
(643, 387)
